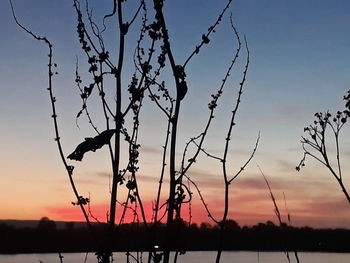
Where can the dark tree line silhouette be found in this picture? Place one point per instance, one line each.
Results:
(134, 237)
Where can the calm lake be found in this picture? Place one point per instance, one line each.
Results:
(191, 257)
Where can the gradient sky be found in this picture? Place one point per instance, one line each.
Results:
(300, 64)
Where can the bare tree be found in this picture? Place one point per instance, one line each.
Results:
(153, 57)
(316, 143)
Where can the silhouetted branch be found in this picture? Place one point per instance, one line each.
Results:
(212, 106)
(315, 143)
(84, 105)
(85, 38)
(90, 211)
(277, 211)
(202, 200)
(205, 37)
(69, 168)
(60, 257)
(161, 178)
(247, 162)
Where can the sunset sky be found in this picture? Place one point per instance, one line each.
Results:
(300, 64)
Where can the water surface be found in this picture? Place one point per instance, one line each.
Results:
(190, 257)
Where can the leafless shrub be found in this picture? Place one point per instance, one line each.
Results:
(153, 57)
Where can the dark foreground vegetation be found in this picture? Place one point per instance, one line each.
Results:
(47, 237)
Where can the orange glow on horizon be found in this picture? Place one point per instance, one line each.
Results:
(312, 214)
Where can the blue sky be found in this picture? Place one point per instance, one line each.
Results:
(300, 64)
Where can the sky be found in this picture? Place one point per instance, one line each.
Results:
(300, 64)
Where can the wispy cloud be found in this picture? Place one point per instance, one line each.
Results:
(286, 166)
(103, 174)
(325, 207)
(290, 112)
(90, 182)
(151, 149)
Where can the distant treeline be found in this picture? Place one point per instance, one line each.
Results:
(46, 237)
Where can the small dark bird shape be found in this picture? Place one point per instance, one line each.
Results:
(91, 144)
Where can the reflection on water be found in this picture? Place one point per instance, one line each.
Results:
(190, 257)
